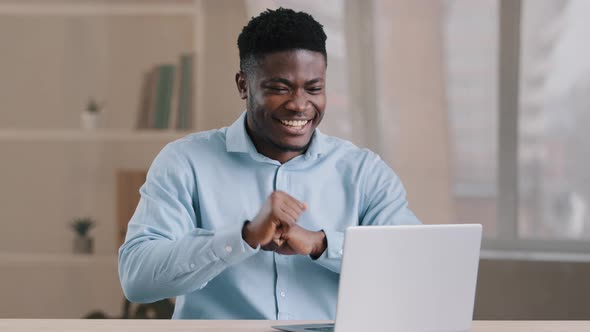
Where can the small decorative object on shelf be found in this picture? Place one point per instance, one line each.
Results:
(91, 116)
(83, 244)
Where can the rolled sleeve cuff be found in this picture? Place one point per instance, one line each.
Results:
(229, 246)
(335, 246)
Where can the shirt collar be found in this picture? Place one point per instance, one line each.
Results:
(237, 140)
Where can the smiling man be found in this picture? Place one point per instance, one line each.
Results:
(248, 221)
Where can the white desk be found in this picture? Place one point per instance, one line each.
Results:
(80, 325)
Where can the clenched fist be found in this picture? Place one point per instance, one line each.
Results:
(279, 213)
(300, 241)
(275, 228)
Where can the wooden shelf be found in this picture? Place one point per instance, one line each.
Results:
(99, 135)
(97, 7)
(36, 259)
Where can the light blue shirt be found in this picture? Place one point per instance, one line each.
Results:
(185, 239)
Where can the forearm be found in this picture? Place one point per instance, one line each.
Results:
(320, 244)
(153, 269)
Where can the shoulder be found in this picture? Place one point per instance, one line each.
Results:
(349, 153)
(211, 139)
(359, 163)
(182, 154)
(197, 144)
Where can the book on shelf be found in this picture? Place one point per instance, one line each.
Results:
(146, 101)
(167, 96)
(174, 100)
(185, 93)
(163, 96)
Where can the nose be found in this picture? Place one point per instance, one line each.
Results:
(298, 101)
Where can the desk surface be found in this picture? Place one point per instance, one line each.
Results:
(75, 325)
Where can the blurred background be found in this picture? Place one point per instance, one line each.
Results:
(481, 106)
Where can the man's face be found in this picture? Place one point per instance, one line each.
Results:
(285, 99)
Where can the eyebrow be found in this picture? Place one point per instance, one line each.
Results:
(289, 83)
(314, 81)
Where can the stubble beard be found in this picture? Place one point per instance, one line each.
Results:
(259, 131)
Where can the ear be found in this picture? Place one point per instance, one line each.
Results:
(242, 84)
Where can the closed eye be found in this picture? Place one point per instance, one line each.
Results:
(277, 89)
(315, 90)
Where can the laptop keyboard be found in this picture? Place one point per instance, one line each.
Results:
(325, 328)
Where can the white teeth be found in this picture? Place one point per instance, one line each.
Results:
(294, 123)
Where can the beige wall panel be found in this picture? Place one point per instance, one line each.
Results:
(32, 89)
(223, 21)
(412, 106)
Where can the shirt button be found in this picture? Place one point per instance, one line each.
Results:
(341, 251)
(192, 265)
(283, 294)
(228, 248)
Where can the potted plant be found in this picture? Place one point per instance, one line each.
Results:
(83, 244)
(91, 116)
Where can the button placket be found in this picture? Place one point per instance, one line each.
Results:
(281, 291)
(280, 183)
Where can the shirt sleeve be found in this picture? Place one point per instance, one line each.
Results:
(383, 203)
(385, 198)
(165, 254)
(331, 258)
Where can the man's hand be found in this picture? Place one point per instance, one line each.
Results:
(278, 215)
(300, 241)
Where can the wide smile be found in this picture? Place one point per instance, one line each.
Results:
(297, 124)
(295, 127)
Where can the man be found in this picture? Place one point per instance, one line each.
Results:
(247, 222)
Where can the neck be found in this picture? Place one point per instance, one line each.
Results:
(267, 149)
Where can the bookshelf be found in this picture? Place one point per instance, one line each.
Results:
(99, 135)
(57, 54)
(58, 285)
(97, 7)
(64, 52)
(16, 260)
(99, 49)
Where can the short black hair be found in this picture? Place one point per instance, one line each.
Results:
(279, 30)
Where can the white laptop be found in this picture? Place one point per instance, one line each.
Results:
(406, 278)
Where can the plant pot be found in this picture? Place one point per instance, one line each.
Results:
(83, 245)
(90, 120)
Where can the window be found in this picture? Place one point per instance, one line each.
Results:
(470, 39)
(517, 89)
(554, 150)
